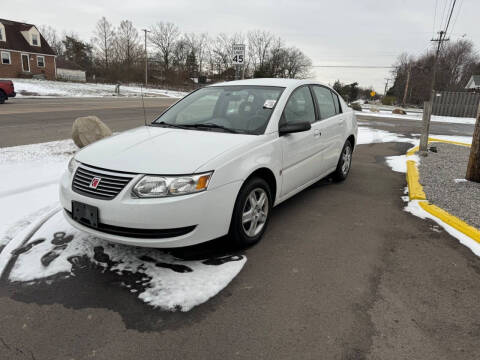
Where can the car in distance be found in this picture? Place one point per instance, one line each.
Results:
(7, 90)
(214, 163)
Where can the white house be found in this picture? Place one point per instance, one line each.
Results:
(474, 82)
(70, 71)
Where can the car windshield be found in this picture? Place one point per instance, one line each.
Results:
(236, 109)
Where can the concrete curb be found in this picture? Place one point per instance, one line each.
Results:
(415, 192)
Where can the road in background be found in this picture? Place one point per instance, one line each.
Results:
(29, 120)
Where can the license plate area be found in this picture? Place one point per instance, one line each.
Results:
(85, 214)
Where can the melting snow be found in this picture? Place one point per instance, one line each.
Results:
(46, 88)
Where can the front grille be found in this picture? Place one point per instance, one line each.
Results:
(108, 187)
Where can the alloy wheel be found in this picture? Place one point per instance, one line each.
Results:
(255, 212)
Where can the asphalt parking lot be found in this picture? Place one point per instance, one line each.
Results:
(342, 273)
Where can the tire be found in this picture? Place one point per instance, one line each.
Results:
(3, 97)
(344, 163)
(241, 232)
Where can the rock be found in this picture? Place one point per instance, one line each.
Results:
(399, 111)
(356, 106)
(88, 129)
(374, 109)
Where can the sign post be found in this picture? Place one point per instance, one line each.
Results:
(238, 59)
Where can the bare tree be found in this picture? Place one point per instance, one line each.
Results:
(104, 41)
(128, 46)
(52, 38)
(259, 45)
(164, 37)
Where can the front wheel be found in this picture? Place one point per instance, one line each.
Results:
(344, 163)
(3, 97)
(251, 213)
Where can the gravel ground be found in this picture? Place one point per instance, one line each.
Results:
(442, 176)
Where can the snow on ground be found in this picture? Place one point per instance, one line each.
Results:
(46, 88)
(416, 116)
(414, 208)
(29, 196)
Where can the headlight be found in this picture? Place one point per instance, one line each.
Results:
(161, 186)
(72, 165)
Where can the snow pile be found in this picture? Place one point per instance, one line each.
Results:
(415, 116)
(46, 88)
(166, 282)
(367, 135)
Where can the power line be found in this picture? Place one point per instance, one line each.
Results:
(456, 17)
(450, 16)
(354, 66)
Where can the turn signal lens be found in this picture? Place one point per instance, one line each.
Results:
(202, 182)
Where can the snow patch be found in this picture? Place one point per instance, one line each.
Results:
(415, 209)
(416, 117)
(29, 205)
(46, 88)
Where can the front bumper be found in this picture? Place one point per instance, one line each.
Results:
(199, 217)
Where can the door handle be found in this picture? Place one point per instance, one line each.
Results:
(317, 133)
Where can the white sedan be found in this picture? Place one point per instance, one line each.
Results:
(215, 163)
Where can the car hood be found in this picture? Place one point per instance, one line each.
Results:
(158, 150)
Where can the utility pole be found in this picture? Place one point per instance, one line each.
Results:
(146, 57)
(406, 85)
(426, 119)
(428, 106)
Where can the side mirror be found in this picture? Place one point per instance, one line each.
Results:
(294, 128)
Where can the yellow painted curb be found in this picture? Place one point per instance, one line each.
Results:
(451, 220)
(415, 189)
(415, 192)
(447, 142)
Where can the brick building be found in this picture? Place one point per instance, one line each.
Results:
(24, 52)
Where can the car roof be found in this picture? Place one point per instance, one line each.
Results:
(286, 83)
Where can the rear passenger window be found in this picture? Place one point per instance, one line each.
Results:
(325, 102)
(300, 107)
(336, 102)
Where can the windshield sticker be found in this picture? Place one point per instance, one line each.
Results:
(269, 104)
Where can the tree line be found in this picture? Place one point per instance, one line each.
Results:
(457, 62)
(117, 54)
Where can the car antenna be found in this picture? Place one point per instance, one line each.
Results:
(143, 106)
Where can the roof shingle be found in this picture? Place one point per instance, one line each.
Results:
(16, 41)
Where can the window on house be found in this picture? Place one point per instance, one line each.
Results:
(35, 39)
(2, 35)
(6, 59)
(41, 61)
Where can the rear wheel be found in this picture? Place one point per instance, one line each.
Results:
(344, 163)
(3, 97)
(251, 213)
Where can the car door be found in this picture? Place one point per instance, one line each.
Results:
(301, 155)
(331, 126)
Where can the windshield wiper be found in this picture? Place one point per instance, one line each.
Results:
(163, 123)
(212, 126)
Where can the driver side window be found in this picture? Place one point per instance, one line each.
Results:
(299, 107)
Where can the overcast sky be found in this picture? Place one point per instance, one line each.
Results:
(334, 32)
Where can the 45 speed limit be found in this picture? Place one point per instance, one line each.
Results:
(238, 54)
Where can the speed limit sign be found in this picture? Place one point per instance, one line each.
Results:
(238, 54)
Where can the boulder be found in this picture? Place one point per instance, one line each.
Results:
(374, 109)
(399, 111)
(88, 129)
(356, 106)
